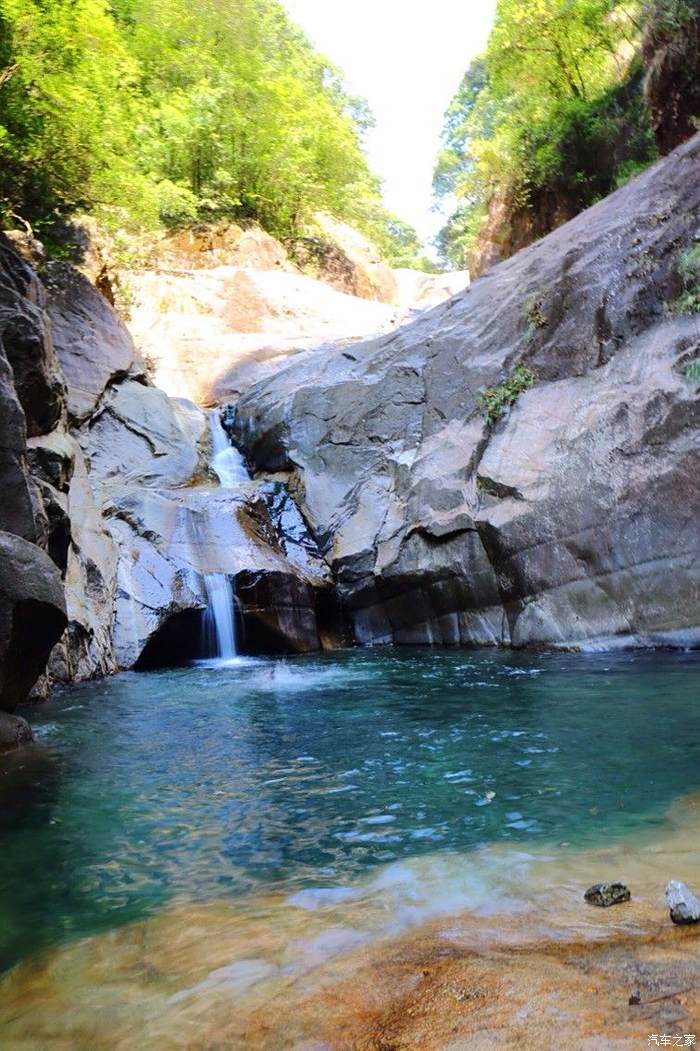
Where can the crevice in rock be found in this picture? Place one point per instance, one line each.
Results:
(492, 487)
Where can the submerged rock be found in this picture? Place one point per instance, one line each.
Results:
(14, 732)
(683, 905)
(606, 894)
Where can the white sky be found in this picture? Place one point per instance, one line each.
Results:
(406, 57)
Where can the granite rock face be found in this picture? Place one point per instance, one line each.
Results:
(26, 337)
(111, 518)
(570, 521)
(32, 604)
(92, 345)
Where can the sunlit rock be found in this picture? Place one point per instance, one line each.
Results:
(568, 518)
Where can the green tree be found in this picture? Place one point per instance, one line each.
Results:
(554, 106)
(67, 104)
(176, 111)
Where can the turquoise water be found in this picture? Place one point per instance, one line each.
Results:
(211, 782)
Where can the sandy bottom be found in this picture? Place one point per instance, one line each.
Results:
(491, 949)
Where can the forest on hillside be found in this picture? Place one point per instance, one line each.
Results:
(168, 112)
(570, 99)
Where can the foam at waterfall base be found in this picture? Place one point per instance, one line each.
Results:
(231, 663)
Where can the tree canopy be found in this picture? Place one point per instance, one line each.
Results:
(554, 103)
(174, 111)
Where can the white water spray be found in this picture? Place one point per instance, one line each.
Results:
(226, 461)
(219, 618)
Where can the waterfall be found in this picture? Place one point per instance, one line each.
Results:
(226, 461)
(219, 618)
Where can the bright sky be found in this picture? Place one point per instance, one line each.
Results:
(407, 58)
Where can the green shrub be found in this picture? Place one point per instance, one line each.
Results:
(692, 371)
(689, 269)
(496, 400)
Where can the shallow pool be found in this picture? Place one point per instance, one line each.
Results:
(302, 777)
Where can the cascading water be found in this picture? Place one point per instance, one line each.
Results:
(226, 461)
(219, 619)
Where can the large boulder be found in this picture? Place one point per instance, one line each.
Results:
(138, 438)
(346, 260)
(92, 344)
(32, 616)
(14, 732)
(570, 519)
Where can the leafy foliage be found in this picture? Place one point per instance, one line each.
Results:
(554, 106)
(171, 111)
(496, 400)
(689, 269)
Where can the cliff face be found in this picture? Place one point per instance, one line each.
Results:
(659, 99)
(110, 517)
(571, 521)
(671, 50)
(32, 603)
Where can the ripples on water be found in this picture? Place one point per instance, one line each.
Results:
(304, 777)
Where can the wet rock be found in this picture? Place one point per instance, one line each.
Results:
(168, 540)
(32, 616)
(14, 732)
(683, 905)
(16, 506)
(606, 894)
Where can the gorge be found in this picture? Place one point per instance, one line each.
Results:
(349, 620)
(377, 477)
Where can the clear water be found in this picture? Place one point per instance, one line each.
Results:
(219, 781)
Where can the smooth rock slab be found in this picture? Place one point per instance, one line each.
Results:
(683, 905)
(606, 894)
